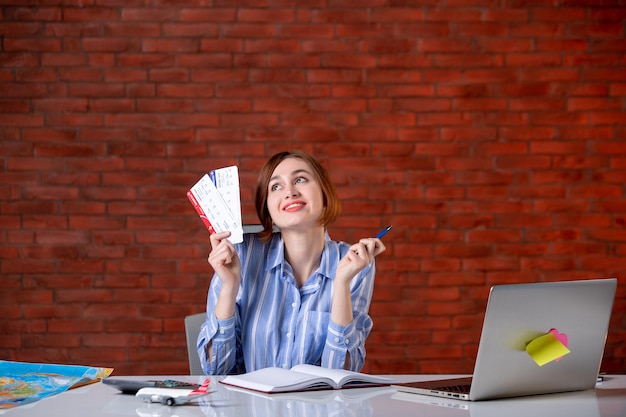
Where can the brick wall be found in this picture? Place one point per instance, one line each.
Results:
(492, 135)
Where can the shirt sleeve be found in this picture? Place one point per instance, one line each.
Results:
(221, 336)
(350, 339)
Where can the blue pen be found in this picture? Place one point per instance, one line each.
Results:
(383, 232)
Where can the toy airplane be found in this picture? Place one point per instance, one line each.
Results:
(173, 396)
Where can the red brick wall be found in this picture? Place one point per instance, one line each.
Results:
(490, 134)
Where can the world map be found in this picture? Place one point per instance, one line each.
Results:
(23, 383)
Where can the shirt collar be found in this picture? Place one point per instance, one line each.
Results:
(276, 255)
(276, 252)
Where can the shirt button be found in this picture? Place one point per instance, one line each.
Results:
(288, 335)
(221, 331)
(293, 305)
(347, 341)
(337, 340)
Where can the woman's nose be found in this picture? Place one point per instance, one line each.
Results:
(291, 192)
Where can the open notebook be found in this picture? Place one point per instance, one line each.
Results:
(537, 338)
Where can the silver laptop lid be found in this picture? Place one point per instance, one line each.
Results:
(518, 313)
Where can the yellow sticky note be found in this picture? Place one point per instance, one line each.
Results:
(546, 348)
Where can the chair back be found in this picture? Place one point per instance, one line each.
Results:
(192, 328)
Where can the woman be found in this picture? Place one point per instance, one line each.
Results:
(294, 296)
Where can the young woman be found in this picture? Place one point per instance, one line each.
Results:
(294, 296)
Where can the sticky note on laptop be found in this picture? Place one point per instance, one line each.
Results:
(548, 347)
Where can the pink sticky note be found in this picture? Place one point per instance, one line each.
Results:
(561, 337)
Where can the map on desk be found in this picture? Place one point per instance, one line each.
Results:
(23, 383)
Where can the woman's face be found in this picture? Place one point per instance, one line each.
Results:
(294, 197)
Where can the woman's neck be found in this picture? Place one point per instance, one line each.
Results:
(303, 251)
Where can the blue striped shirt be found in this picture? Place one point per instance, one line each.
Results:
(278, 324)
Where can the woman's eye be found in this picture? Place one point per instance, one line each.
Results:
(300, 179)
(274, 187)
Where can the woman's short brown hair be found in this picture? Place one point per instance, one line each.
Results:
(332, 205)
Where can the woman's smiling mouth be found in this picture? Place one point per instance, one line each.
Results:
(293, 206)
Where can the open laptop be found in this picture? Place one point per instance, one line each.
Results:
(570, 404)
(519, 313)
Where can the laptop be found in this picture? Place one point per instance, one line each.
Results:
(571, 404)
(517, 314)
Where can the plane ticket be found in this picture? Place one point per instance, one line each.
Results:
(217, 200)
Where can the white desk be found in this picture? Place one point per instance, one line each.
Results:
(99, 400)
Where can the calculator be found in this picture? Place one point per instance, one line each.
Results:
(131, 386)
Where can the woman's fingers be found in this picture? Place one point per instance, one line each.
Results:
(222, 250)
(373, 246)
(217, 237)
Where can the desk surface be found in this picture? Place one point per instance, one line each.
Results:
(99, 400)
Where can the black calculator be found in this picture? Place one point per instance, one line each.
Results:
(130, 386)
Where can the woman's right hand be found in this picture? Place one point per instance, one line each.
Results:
(224, 260)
